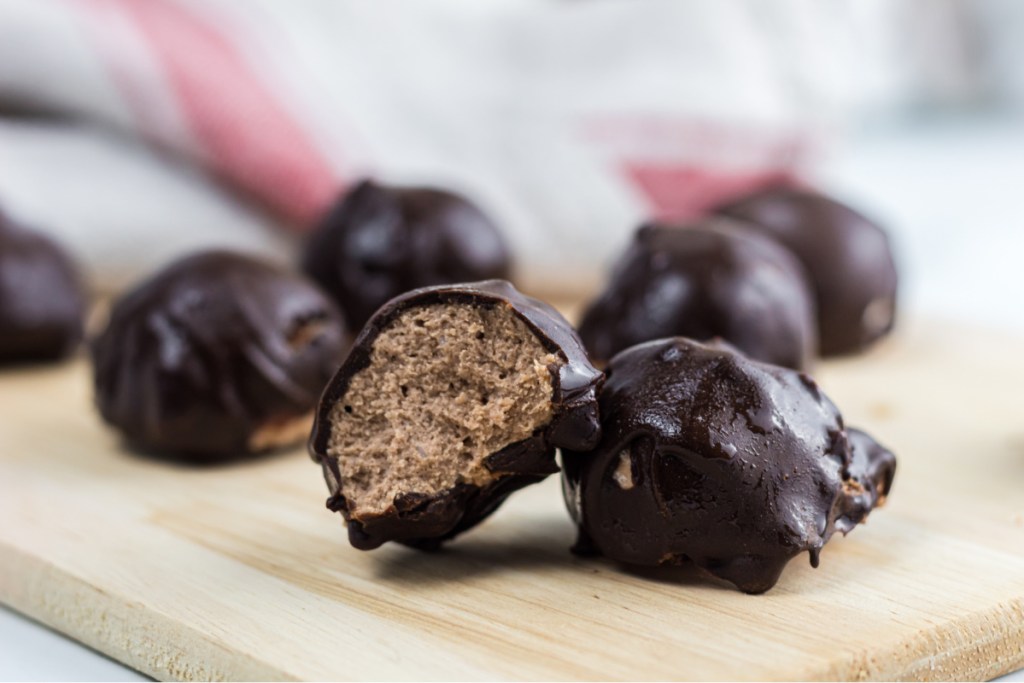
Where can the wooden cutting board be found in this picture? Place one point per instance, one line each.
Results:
(239, 571)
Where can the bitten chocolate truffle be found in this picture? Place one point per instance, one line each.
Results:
(42, 304)
(217, 356)
(451, 399)
(712, 279)
(709, 457)
(380, 241)
(847, 257)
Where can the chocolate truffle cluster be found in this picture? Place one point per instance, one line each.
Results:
(220, 355)
(680, 452)
(460, 390)
(781, 274)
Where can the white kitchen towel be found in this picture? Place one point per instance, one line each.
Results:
(569, 121)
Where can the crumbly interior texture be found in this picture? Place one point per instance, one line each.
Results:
(447, 386)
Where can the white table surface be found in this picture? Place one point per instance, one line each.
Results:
(952, 193)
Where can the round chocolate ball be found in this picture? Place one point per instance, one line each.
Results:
(452, 398)
(42, 303)
(847, 257)
(381, 241)
(712, 279)
(217, 355)
(709, 457)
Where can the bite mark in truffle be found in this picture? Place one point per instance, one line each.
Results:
(452, 398)
(443, 381)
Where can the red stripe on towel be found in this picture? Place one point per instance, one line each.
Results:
(248, 138)
(687, 192)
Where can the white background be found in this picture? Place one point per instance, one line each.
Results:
(952, 193)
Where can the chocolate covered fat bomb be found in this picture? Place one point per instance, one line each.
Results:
(847, 257)
(379, 241)
(216, 356)
(42, 304)
(711, 458)
(705, 280)
(451, 398)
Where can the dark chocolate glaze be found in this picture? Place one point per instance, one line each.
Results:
(707, 280)
(425, 521)
(847, 257)
(212, 349)
(734, 465)
(380, 241)
(42, 302)
(871, 471)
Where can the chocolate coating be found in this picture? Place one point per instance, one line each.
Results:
(847, 257)
(216, 356)
(42, 304)
(380, 241)
(425, 521)
(711, 458)
(871, 471)
(712, 279)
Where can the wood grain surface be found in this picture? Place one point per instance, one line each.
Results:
(239, 571)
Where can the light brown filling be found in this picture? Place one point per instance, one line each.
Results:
(623, 474)
(305, 332)
(447, 386)
(852, 487)
(282, 433)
